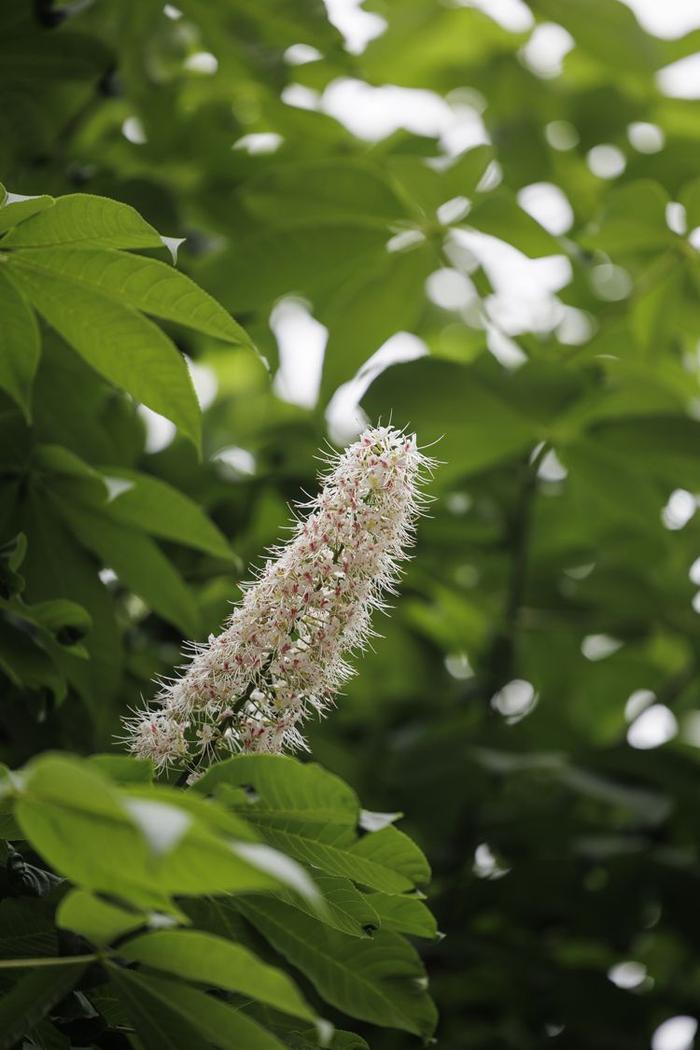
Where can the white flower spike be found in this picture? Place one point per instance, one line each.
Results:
(282, 654)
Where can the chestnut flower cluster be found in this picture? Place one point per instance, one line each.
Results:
(282, 653)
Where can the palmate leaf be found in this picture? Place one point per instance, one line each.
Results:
(380, 979)
(31, 998)
(19, 344)
(146, 284)
(17, 208)
(312, 816)
(170, 1015)
(149, 503)
(345, 908)
(139, 562)
(98, 920)
(141, 847)
(209, 960)
(83, 219)
(118, 342)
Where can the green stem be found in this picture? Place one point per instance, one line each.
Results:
(60, 960)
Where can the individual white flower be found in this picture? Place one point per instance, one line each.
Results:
(282, 654)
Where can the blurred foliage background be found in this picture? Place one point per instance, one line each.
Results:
(503, 200)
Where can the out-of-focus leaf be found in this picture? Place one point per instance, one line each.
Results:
(19, 344)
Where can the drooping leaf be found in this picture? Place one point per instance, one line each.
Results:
(19, 344)
(145, 284)
(83, 219)
(208, 960)
(380, 979)
(118, 342)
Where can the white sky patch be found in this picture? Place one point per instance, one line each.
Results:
(515, 700)
(458, 666)
(160, 432)
(666, 18)
(300, 54)
(546, 49)
(681, 79)
(646, 138)
(679, 510)
(258, 142)
(561, 135)
(235, 462)
(654, 726)
(694, 572)
(301, 340)
(344, 417)
(598, 646)
(606, 161)
(450, 289)
(576, 327)
(133, 131)
(628, 975)
(548, 205)
(205, 383)
(356, 25)
(513, 15)
(404, 239)
(453, 210)
(551, 468)
(505, 350)
(676, 218)
(301, 97)
(677, 1033)
(524, 289)
(202, 62)
(486, 865)
(637, 702)
(373, 113)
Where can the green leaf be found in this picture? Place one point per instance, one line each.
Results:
(428, 188)
(31, 998)
(149, 503)
(329, 190)
(99, 921)
(205, 959)
(345, 908)
(124, 769)
(19, 344)
(81, 219)
(633, 219)
(385, 297)
(608, 30)
(118, 342)
(283, 784)
(404, 914)
(689, 197)
(143, 849)
(17, 208)
(393, 849)
(313, 816)
(450, 404)
(35, 58)
(499, 215)
(380, 979)
(167, 1012)
(26, 926)
(138, 562)
(145, 284)
(158, 1024)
